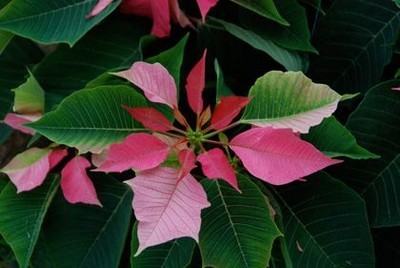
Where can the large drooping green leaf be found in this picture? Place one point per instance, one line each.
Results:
(92, 119)
(376, 126)
(237, 230)
(334, 140)
(289, 100)
(355, 40)
(22, 216)
(265, 8)
(172, 59)
(17, 54)
(87, 236)
(174, 254)
(295, 37)
(5, 39)
(325, 224)
(51, 21)
(112, 45)
(291, 60)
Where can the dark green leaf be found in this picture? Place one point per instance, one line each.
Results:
(51, 21)
(174, 254)
(334, 140)
(387, 246)
(265, 8)
(22, 216)
(88, 236)
(109, 46)
(237, 230)
(92, 119)
(355, 40)
(376, 126)
(222, 88)
(5, 39)
(325, 224)
(291, 60)
(295, 37)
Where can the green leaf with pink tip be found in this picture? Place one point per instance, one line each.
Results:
(165, 208)
(289, 100)
(278, 156)
(29, 97)
(92, 119)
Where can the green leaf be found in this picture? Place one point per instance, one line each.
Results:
(70, 69)
(29, 97)
(222, 88)
(376, 126)
(334, 140)
(264, 8)
(289, 99)
(325, 224)
(91, 119)
(237, 230)
(174, 254)
(22, 216)
(51, 21)
(294, 37)
(291, 60)
(355, 40)
(87, 236)
(5, 39)
(172, 59)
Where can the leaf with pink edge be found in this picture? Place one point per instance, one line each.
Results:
(215, 165)
(150, 118)
(139, 151)
(195, 85)
(165, 208)
(205, 6)
(99, 7)
(155, 81)
(75, 183)
(227, 110)
(16, 121)
(28, 169)
(289, 100)
(278, 156)
(187, 159)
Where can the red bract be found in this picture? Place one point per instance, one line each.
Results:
(277, 156)
(160, 11)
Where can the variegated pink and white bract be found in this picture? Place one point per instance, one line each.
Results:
(168, 200)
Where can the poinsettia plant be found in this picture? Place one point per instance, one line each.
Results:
(187, 133)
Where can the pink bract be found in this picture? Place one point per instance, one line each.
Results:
(165, 208)
(195, 85)
(75, 183)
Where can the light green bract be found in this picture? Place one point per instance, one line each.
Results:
(289, 100)
(92, 119)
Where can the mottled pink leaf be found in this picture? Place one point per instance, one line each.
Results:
(155, 81)
(278, 156)
(75, 183)
(215, 165)
(138, 151)
(28, 169)
(99, 7)
(187, 159)
(16, 121)
(150, 118)
(195, 85)
(227, 110)
(165, 208)
(205, 6)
